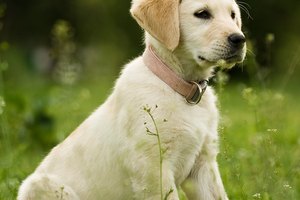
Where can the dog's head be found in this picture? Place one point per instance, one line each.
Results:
(209, 31)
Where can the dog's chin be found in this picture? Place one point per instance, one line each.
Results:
(224, 62)
(230, 61)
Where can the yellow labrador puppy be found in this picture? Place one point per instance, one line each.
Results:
(114, 154)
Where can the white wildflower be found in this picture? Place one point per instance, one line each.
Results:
(287, 186)
(273, 130)
(257, 196)
(2, 105)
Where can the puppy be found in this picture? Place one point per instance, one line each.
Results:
(158, 128)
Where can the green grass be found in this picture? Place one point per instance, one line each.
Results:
(259, 134)
(260, 147)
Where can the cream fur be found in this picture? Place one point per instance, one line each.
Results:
(110, 156)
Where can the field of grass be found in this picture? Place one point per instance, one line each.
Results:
(260, 148)
(56, 69)
(259, 133)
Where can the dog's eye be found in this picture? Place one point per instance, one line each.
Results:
(232, 15)
(203, 14)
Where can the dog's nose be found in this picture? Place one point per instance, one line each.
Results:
(236, 40)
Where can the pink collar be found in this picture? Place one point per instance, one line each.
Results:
(191, 91)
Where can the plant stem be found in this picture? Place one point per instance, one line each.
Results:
(160, 154)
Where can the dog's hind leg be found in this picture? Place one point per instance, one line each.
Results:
(45, 187)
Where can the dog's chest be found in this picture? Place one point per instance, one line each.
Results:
(188, 134)
(184, 155)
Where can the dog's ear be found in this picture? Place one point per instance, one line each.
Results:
(160, 18)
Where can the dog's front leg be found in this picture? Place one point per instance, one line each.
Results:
(205, 178)
(147, 185)
(208, 182)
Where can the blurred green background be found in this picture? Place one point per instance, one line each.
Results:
(59, 60)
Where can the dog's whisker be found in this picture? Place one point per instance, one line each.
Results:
(244, 3)
(250, 52)
(243, 6)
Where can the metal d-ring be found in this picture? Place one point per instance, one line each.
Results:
(201, 87)
(197, 96)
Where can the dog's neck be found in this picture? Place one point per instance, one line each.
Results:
(178, 61)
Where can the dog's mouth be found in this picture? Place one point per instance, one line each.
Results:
(237, 58)
(223, 60)
(202, 58)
